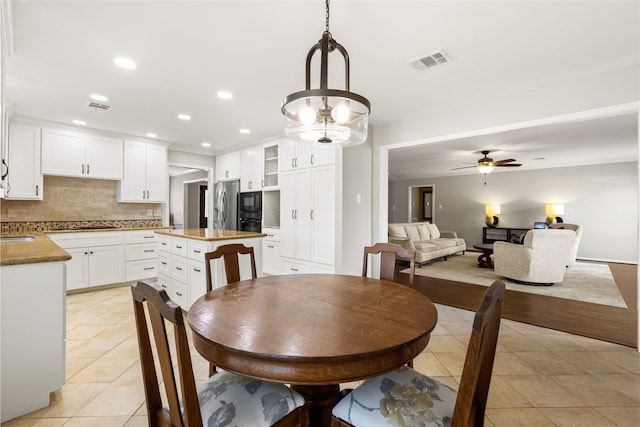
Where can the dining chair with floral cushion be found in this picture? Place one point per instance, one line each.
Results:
(407, 398)
(224, 399)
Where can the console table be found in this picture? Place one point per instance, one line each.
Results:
(499, 234)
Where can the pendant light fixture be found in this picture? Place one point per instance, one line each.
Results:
(324, 116)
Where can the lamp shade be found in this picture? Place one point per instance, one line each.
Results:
(492, 209)
(554, 210)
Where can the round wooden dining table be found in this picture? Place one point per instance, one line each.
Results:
(312, 331)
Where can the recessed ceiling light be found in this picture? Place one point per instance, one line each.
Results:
(80, 122)
(184, 117)
(125, 63)
(206, 144)
(223, 94)
(245, 131)
(97, 97)
(152, 135)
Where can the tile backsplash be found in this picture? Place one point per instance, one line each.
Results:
(78, 200)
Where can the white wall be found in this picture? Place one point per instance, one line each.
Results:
(601, 198)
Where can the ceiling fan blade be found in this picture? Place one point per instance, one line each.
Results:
(464, 167)
(509, 165)
(501, 162)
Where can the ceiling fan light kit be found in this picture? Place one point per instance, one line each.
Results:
(326, 116)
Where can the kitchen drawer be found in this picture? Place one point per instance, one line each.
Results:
(271, 261)
(141, 251)
(197, 280)
(179, 246)
(197, 250)
(142, 269)
(164, 283)
(179, 268)
(79, 240)
(291, 266)
(164, 263)
(273, 234)
(179, 294)
(140, 236)
(164, 242)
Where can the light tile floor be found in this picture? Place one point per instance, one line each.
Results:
(541, 377)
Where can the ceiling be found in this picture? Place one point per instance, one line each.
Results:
(186, 51)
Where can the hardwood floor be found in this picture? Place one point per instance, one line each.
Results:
(613, 324)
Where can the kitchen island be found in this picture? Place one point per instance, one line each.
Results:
(181, 266)
(32, 313)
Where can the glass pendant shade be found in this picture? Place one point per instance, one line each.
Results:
(485, 169)
(326, 116)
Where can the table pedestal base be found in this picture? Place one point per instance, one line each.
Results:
(319, 401)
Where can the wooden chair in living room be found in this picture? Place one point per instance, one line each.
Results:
(225, 398)
(407, 397)
(389, 253)
(230, 254)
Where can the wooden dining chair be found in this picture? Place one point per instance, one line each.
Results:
(389, 253)
(407, 397)
(230, 254)
(224, 399)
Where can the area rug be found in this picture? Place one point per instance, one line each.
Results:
(585, 281)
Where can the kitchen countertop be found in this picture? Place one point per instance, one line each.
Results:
(93, 230)
(210, 235)
(42, 249)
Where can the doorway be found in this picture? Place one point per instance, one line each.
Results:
(421, 202)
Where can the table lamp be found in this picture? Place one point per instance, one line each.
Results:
(491, 219)
(553, 213)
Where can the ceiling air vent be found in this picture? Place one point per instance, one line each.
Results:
(430, 60)
(98, 106)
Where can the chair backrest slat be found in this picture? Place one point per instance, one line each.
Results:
(389, 252)
(471, 401)
(161, 310)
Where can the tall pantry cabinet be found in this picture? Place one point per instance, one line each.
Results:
(310, 208)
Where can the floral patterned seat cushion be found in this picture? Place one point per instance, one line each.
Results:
(402, 398)
(228, 399)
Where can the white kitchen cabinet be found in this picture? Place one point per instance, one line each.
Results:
(141, 254)
(228, 166)
(72, 153)
(24, 178)
(97, 258)
(145, 173)
(308, 219)
(251, 169)
(271, 165)
(271, 262)
(184, 275)
(298, 156)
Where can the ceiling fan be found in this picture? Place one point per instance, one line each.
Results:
(486, 164)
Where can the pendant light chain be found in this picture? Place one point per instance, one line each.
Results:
(327, 20)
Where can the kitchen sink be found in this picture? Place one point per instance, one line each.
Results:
(17, 239)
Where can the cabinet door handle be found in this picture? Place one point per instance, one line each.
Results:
(197, 251)
(91, 253)
(294, 269)
(178, 293)
(164, 286)
(293, 162)
(143, 194)
(163, 263)
(311, 214)
(86, 253)
(149, 268)
(178, 247)
(293, 215)
(83, 169)
(270, 246)
(147, 194)
(149, 237)
(87, 168)
(178, 268)
(197, 270)
(37, 189)
(149, 250)
(163, 244)
(311, 159)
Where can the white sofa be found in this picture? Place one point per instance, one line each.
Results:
(542, 259)
(426, 239)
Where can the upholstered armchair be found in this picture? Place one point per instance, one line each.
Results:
(576, 241)
(542, 259)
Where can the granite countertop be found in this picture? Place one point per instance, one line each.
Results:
(93, 230)
(210, 235)
(42, 249)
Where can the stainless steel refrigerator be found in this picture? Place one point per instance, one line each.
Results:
(225, 205)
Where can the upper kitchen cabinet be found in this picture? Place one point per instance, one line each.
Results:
(228, 166)
(146, 173)
(24, 179)
(295, 156)
(271, 166)
(71, 153)
(251, 169)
